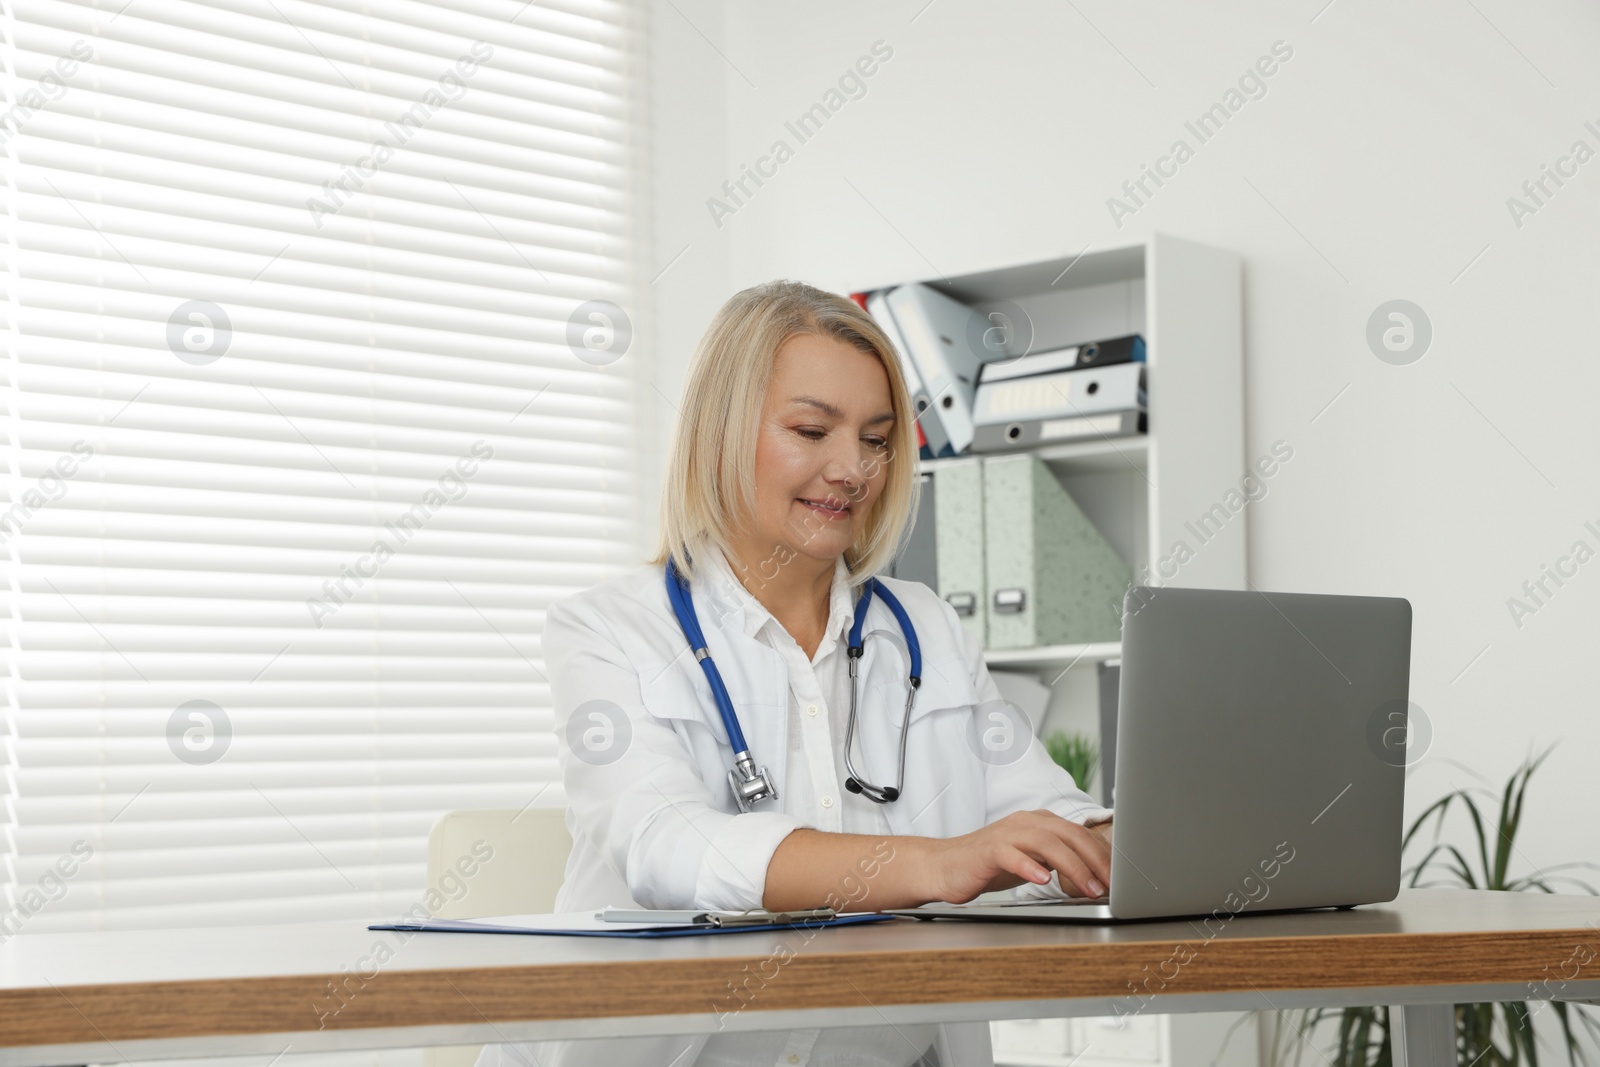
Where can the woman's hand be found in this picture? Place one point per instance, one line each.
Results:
(1025, 846)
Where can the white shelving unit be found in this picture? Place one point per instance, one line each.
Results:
(1152, 493)
(1046, 658)
(1147, 495)
(1084, 1042)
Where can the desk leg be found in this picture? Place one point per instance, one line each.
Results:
(1423, 1035)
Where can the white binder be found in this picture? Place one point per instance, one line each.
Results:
(932, 428)
(1029, 433)
(1091, 391)
(1055, 359)
(937, 332)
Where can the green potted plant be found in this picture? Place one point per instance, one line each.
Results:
(1487, 1035)
(1076, 754)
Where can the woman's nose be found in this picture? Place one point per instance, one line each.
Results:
(847, 470)
(851, 486)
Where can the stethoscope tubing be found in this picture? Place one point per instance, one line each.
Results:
(682, 600)
(857, 782)
(683, 607)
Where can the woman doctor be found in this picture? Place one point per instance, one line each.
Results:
(791, 483)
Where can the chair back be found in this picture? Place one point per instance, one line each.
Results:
(500, 862)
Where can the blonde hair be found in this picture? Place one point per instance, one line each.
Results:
(709, 489)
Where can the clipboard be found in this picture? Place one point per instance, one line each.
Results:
(662, 924)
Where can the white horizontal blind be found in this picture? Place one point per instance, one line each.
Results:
(299, 441)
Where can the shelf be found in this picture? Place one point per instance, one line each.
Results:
(1112, 454)
(1009, 1058)
(1053, 656)
(1083, 1041)
(1103, 266)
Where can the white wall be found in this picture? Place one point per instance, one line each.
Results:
(1377, 166)
(685, 275)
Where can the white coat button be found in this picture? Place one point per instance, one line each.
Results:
(812, 710)
(827, 802)
(793, 1058)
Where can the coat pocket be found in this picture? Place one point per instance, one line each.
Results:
(886, 673)
(937, 709)
(942, 789)
(680, 692)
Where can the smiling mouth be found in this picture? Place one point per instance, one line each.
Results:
(834, 510)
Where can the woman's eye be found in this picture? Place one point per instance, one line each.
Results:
(811, 433)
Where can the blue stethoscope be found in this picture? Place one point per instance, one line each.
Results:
(751, 785)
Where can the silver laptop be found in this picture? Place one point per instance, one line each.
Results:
(1260, 757)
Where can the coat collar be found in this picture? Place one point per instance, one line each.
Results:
(728, 594)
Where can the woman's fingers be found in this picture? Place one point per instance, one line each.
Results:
(1018, 862)
(1059, 854)
(1102, 851)
(1098, 851)
(1080, 855)
(1028, 846)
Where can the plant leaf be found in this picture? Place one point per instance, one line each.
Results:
(1364, 1035)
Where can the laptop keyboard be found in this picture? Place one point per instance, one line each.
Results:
(1068, 902)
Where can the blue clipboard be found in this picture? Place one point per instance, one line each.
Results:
(470, 926)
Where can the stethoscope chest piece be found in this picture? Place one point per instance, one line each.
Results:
(750, 785)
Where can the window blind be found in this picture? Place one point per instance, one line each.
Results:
(318, 390)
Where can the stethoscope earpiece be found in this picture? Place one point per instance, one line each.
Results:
(750, 784)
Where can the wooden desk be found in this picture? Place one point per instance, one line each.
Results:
(74, 998)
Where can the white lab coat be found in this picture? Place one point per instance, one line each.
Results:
(645, 814)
